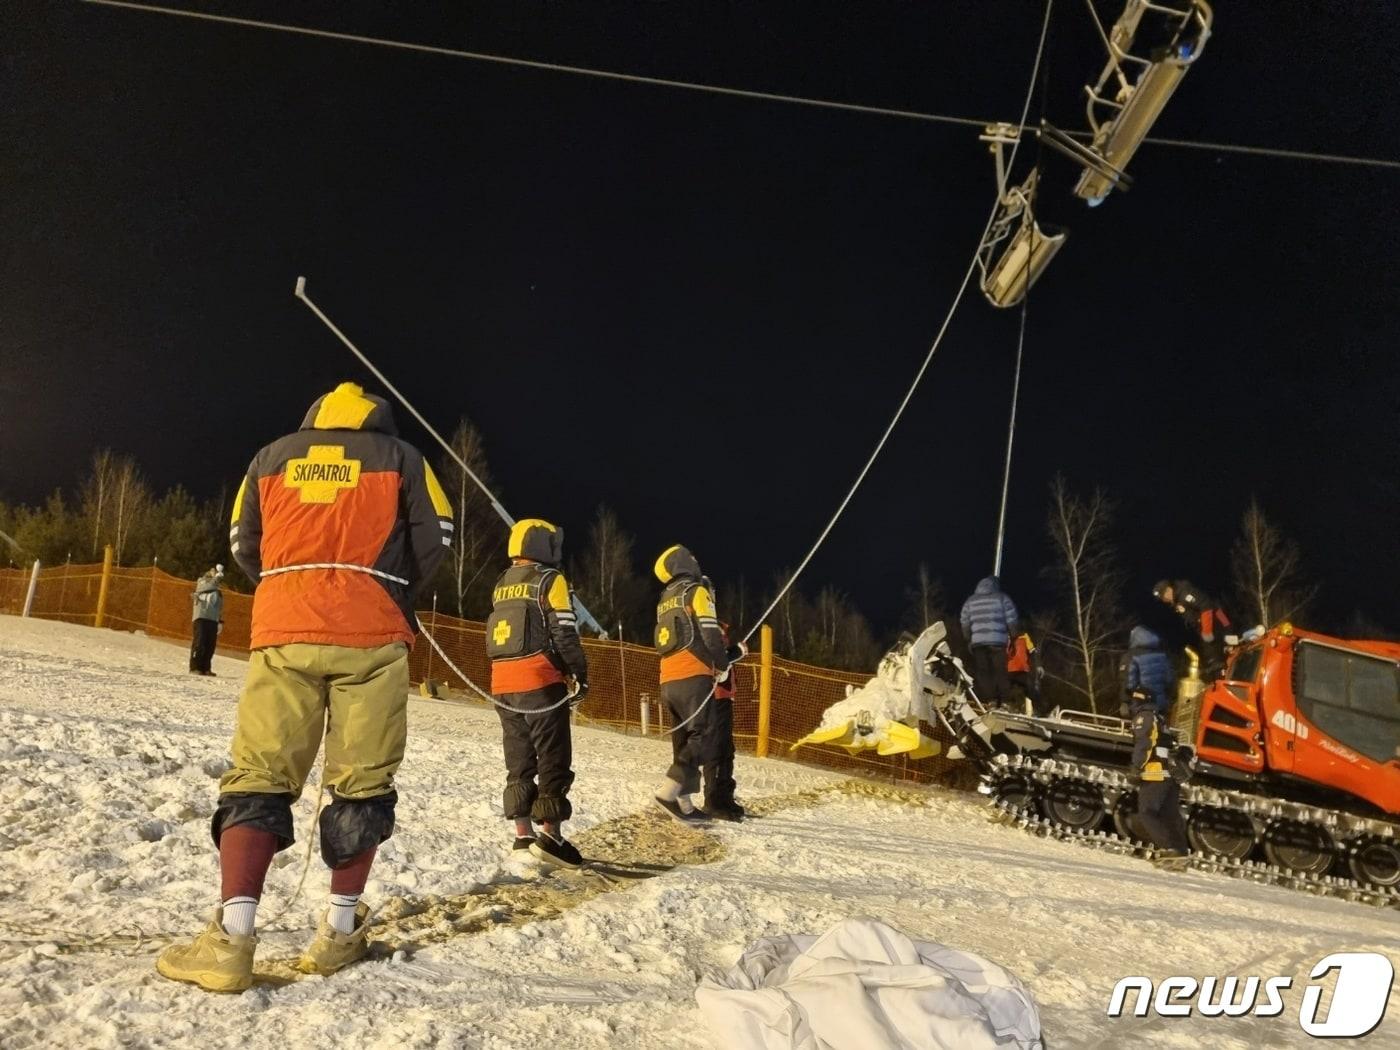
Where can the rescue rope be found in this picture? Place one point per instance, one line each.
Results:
(568, 697)
(913, 386)
(714, 89)
(335, 565)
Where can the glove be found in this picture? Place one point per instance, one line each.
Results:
(736, 652)
(578, 689)
(1183, 763)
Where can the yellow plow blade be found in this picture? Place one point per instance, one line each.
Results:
(900, 739)
(842, 735)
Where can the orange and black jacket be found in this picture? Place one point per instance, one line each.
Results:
(341, 524)
(548, 649)
(688, 636)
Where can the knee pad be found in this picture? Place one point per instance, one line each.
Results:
(518, 798)
(349, 826)
(265, 811)
(552, 808)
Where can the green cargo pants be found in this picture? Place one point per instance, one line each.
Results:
(357, 698)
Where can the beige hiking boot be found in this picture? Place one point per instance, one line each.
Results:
(215, 960)
(333, 950)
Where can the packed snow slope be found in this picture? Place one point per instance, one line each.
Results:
(109, 756)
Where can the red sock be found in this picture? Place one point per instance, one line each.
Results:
(350, 877)
(245, 854)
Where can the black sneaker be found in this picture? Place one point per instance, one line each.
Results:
(730, 811)
(523, 842)
(559, 852)
(673, 807)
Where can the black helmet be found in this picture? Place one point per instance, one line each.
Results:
(676, 561)
(536, 540)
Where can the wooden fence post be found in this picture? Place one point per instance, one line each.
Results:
(33, 586)
(101, 617)
(765, 689)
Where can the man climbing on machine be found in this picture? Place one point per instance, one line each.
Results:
(1206, 621)
(694, 655)
(538, 673)
(341, 523)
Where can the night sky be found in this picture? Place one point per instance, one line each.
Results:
(702, 310)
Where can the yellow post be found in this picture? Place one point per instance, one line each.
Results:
(102, 591)
(765, 689)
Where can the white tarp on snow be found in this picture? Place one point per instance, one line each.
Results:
(863, 985)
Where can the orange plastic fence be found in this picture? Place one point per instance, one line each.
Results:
(623, 677)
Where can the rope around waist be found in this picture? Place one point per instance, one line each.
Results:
(335, 565)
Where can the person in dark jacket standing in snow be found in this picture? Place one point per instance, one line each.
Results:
(694, 655)
(208, 617)
(537, 665)
(1205, 620)
(1147, 686)
(989, 622)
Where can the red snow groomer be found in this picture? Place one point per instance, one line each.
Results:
(1293, 761)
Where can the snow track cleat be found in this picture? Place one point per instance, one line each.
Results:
(332, 950)
(217, 961)
(556, 852)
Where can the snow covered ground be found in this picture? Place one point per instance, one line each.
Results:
(108, 761)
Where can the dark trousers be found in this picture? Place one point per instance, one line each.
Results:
(539, 756)
(1159, 806)
(206, 634)
(989, 673)
(719, 770)
(692, 745)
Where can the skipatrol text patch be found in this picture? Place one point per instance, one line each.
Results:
(322, 474)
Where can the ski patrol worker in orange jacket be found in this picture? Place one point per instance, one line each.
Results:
(341, 524)
(538, 668)
(694, 655)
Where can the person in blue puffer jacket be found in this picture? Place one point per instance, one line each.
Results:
(1145, 666)
(989, 622)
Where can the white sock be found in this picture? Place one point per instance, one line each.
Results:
(240, 915)
(341, 915)
(670, 791)
(686, 805)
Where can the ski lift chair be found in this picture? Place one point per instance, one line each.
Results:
(1122, 111)
(1016, 249)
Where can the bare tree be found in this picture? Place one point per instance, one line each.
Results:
(97, 494)
(129, 500)
(1090, 584)
(927, 599)
(1266, 567)
(478, 535)
(606, 577)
